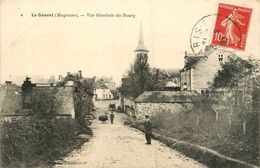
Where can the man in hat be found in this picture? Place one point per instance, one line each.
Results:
(148, 129)
(112, 117)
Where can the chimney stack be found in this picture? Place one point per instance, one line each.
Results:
(80, 74)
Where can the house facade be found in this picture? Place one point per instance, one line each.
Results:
(103, 94)
(200, 70)
(102, 91)
(109, 82)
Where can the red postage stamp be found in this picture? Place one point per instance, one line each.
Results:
(231, 26)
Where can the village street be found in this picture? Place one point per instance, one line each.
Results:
(118, 146)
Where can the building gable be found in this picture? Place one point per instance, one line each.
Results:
(199, 73)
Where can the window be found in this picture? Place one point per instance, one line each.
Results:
(184, 86)
(205, 92)
(220, 57)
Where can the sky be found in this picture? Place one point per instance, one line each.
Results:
(103, 46)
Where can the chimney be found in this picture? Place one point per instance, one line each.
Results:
(185, 57)
(80, 74)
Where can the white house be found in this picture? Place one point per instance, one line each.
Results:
(199, 70)
(103, 93)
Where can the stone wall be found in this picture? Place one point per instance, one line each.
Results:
(141, 109)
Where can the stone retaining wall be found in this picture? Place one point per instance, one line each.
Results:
(153, 108)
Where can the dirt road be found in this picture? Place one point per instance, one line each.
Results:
(118, 146)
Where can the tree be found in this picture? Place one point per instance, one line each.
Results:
(241, 79)
(82, 95)
(232, 72)
(138, 77)
(44, 103)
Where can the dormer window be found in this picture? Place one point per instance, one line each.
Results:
(220, 58)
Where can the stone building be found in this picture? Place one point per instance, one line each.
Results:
(199, 70)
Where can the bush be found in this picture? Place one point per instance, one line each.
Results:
(32, 142)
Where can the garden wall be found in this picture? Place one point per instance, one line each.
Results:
(141, 109)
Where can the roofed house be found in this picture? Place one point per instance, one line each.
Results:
(152, 102)
(64, 105)
(166, 79)
(199, 70)
(109, 82)
(102, 92)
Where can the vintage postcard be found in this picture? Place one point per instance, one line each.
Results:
(129, 83)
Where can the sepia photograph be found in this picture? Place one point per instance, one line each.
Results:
(130, 83)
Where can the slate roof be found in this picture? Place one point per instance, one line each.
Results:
(192, 60)
(99, 84)
(64, 97)
(141, 46)
(166, 97)
(166, 73)
(173, 72)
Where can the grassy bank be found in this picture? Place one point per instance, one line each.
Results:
(32, 142)
(227, 141)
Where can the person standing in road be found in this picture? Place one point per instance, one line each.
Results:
(148, 129)
(112, 117)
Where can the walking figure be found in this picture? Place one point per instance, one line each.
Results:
(229, 24)
(148, 129)
(112, 117)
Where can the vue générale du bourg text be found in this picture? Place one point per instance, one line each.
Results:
(92, 15)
